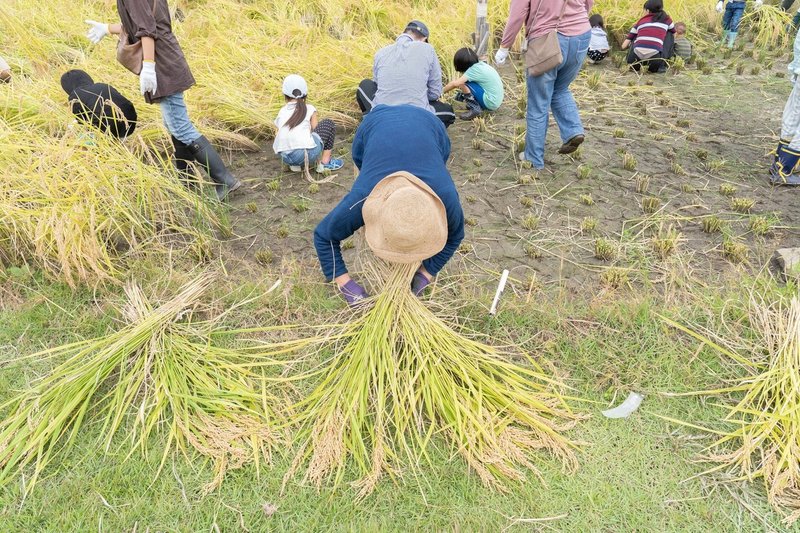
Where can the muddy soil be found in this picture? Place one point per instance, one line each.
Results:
(663, 153)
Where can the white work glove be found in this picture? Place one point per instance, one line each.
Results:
(719, 6)
(759, 3)
(147, 78)
(500, 56)
(97, 31)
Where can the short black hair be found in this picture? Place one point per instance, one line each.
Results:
(596, 20)
(464, 58)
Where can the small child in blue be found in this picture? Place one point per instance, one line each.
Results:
(480, 87)
(730, 20)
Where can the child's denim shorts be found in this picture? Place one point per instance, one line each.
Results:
(298, 157)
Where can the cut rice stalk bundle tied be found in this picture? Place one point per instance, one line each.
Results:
(160, 373)
(401, 376)
(764, 439)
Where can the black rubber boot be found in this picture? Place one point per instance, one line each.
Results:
(182, 161)
(209, 159)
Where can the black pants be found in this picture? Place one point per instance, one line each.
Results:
(326, 129)
(365, 94)
(786, 4)
(654, 64)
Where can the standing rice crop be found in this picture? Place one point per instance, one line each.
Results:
(762, 437)
(400, 378)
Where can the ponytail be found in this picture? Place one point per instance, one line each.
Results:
(300, 112)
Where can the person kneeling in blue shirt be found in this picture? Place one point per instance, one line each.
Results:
(403, 194)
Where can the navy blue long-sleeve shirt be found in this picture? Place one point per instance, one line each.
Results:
(391, 139)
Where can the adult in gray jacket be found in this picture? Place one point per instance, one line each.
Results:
(164, 77)
(407, 73)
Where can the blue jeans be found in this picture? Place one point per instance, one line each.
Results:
(298, 157)
(176, 119)
(551, 91)
(733, 14)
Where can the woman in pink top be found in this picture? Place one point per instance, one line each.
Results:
(551, 89)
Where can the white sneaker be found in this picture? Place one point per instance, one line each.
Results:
(522, 156)
(295, 168)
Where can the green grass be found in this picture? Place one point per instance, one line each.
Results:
(632, 475)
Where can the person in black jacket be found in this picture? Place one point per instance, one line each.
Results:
(99, 104)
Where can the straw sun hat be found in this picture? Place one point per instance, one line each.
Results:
(405, 221)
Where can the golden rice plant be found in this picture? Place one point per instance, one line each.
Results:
(761, 437)
(164, 367)
(767, 25)
(400, 377)
(76, 204)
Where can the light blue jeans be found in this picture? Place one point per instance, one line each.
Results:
(176, 119)
(298, 157)
(551, 91)
(733, 14)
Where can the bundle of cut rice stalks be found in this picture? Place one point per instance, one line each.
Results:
(160, 374)
(764, 436)
(400, 376)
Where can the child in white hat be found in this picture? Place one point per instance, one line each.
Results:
(302, 138)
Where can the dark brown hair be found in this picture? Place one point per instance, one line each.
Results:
(596, 21)
(300, 110)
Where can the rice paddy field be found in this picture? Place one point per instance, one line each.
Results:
(170, 363)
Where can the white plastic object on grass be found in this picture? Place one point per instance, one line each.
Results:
(500, 288)
(623, 410)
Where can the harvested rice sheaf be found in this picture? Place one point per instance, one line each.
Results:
(401, 378)
(762, 438)
(162, 367)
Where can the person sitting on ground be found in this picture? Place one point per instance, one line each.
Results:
(730, 20)
(407, 72)
(164, 76)
(302, 138)
(598, 43)
(784, 168)
(647, 38)
(5, 71)
(99, 104)
(404, 195)
(683, 46)
(480, 87)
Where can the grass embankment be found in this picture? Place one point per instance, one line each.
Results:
(633, 476)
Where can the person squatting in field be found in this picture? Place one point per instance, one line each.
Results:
(407, 72)
(651, 39)
(163, 79)
(734, 11)
(302, 138)
(550, 90)
(99, 104)
(785, 165)
(403, 195)
(480, 86)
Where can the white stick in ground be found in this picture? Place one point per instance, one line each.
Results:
(500, 288)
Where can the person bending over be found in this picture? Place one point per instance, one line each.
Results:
(99, 104)
(407, 72)
(404, 195)
(164, 77)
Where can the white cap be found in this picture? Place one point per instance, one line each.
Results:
(292, 83)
